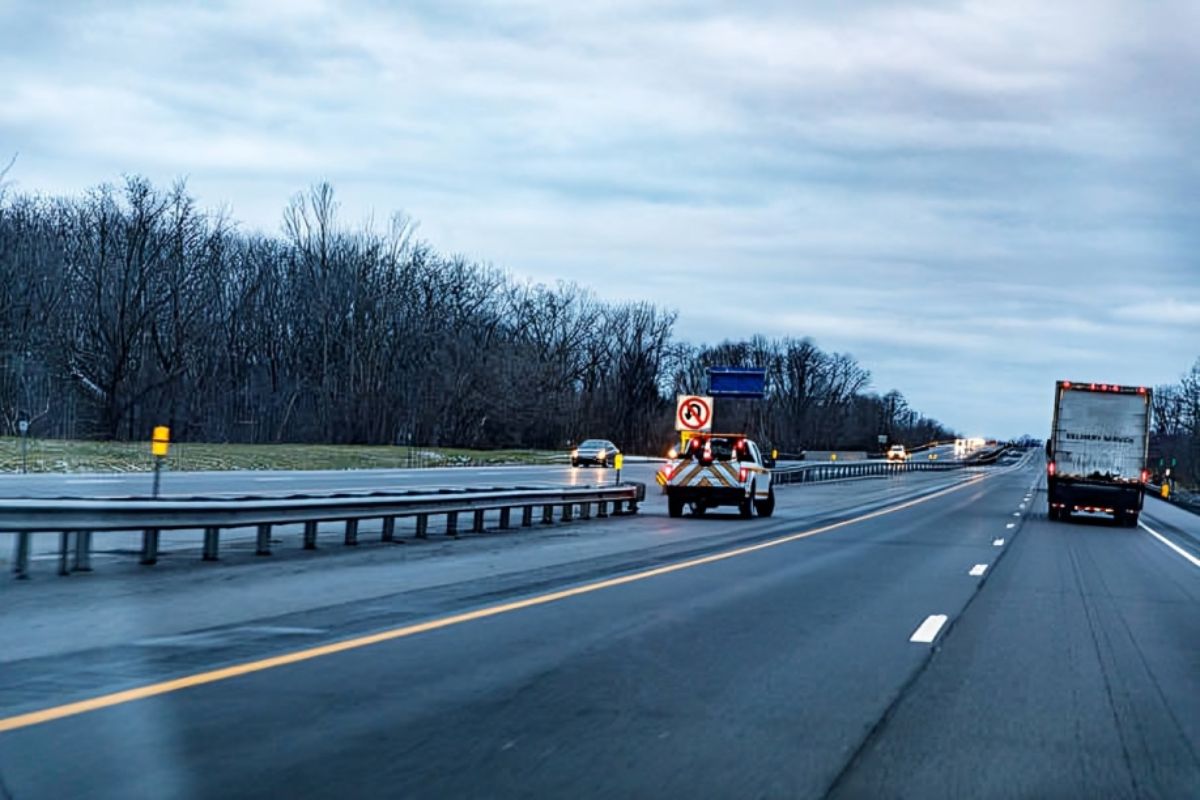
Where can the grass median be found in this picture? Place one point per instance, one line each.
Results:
(62, 456)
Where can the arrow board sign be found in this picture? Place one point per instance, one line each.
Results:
(693, 413)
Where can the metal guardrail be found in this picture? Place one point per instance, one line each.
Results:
(79, 519)
(830, 471)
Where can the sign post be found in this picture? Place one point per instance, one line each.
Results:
(23, 427)
(160, 443)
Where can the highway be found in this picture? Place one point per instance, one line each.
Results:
(923, 635)
(276, 482)
(269, 482)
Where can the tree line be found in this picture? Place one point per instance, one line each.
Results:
(1176, 436)
(128, 307)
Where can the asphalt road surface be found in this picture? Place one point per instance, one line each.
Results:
(269, 482)
(916, 636)
(274, 482)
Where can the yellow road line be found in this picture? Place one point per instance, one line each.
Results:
(212, 676)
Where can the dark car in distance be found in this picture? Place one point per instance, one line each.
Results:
(594, 451)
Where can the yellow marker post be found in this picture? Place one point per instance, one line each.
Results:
(160, 443)
(618, 461)
(833, 456)
(1165, 491)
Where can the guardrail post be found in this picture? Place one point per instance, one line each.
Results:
(585, 510)
(452, 523)
(602, 509)
(351, 537)
(83, 551)
(504, 518)
(150, 546)
(568, 512)
(263, 540)
(633, 506)
(477, 525)
(64, 550)
(389, 530)
(526, 516)
(422, 526)
(21, 557)
(547, 515)
(212, 544)
(310, 534)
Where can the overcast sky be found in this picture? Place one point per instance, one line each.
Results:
(974, 199)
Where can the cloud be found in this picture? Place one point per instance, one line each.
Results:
(1002, 192)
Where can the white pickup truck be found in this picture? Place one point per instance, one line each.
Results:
(718, 469)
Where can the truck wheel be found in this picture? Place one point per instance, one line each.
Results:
(1131, 519)
(674, 507)
(766, 508)
(746, 506)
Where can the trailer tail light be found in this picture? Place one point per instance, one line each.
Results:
(1050, 468)
(1093, 387)
(1145, 476)
(1141, 390)
(1066, 384)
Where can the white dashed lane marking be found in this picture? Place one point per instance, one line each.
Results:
(929, 629)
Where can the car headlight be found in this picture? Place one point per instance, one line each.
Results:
(599, 454)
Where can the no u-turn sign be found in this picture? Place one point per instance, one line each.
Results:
(693, 413)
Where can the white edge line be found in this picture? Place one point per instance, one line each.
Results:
(929, 629)
(1195, 561)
